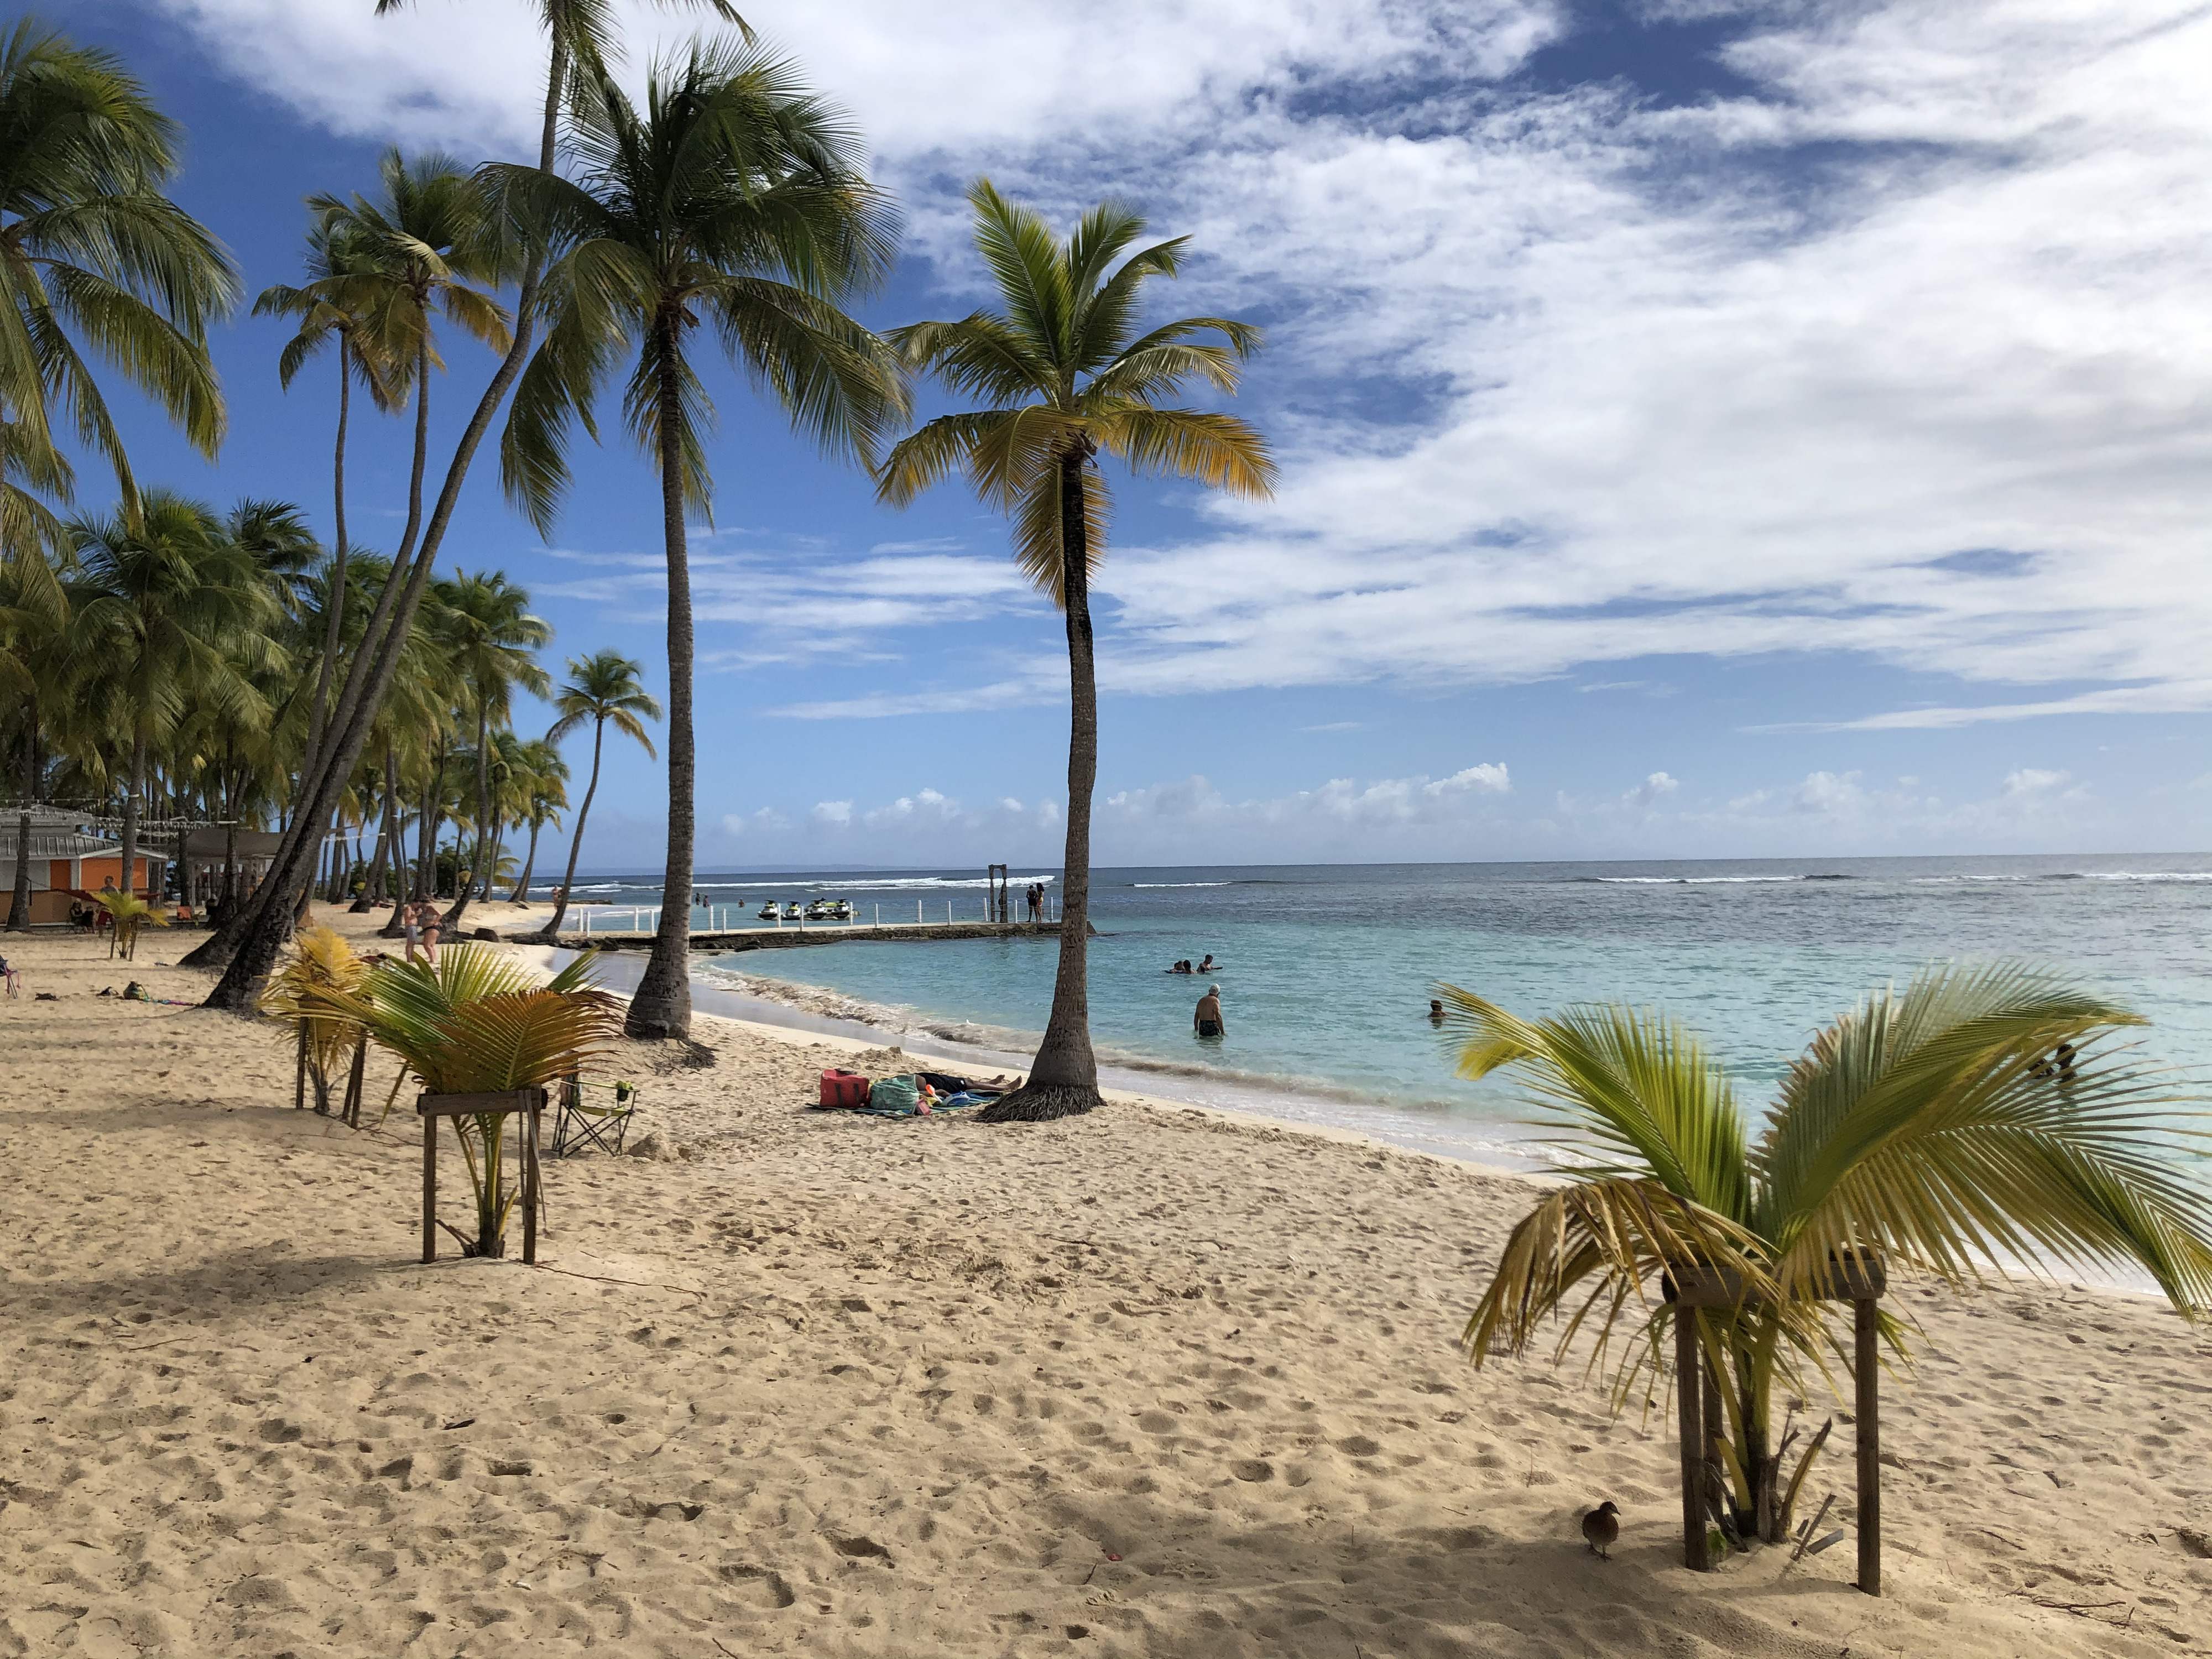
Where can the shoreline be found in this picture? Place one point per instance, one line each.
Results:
(802, 1007)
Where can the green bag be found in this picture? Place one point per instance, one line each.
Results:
(894, 1094)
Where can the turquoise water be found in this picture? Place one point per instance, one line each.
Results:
(1326, 971)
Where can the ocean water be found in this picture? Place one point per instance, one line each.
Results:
(1325, 970)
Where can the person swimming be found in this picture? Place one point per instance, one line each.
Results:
(1436, 1011)
(1207, 967)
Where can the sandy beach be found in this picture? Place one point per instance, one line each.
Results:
(1151, 1382)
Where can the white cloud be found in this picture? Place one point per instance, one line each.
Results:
(1652, 790)
(1741, 377)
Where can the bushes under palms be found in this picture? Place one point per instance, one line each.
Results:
(1931, 1129)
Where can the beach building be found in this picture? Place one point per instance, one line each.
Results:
(65, 863)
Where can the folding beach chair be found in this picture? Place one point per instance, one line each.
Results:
(585, 1123)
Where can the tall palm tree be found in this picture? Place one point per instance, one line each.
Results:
(544, 798)
(605, 689)
(247, 951)
(34, 622)
(733, 196)
(337, 252)
(1930, 1129)
(489, 634)
(92, 250)
(174, 611)
(1063, 373)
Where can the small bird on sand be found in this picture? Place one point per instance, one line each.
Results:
(1601, 1526)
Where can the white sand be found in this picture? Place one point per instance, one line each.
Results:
(909, 1388)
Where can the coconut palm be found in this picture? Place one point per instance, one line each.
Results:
(605, 689)
(333, 309)
(173, 610)
(91, 250)
(1063, 373)
(1932, 1129)
(489, 634)
(732, 197)
(544, 781)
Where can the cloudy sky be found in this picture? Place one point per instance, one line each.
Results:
(1706, 428)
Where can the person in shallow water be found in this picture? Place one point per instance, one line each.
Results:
(1207, 1020)
(1436, 1011)
(1207, 967)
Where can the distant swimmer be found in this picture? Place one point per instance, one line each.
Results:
(1207, 967)
(1436, 1011)
(1207, 1019)
(1182, 967)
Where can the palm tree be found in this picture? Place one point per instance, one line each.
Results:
(732, 197)
(490, 636)
(174, 610)
(1064, 374)
(603, 688)
(545, 780)
(337, 252)
(89, 246)
(1932, 1130)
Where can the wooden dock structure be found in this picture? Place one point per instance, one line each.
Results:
(815, 932)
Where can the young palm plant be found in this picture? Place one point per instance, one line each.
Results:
(734, 197)
(1063, 373)
(602, 688)
(300, 998)
(1983, 1121)
(129, 916)
(477, 1024)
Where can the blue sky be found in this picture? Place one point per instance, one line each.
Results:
(1707, 430)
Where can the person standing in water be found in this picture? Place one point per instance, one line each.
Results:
(1207, 1020)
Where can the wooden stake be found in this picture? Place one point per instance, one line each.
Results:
(429, 1188)
(528, 1159)
(1867, 1369)
(1690, 1420)
(354, 1082)
(300, 1071)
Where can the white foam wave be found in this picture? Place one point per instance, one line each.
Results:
(1183, 883)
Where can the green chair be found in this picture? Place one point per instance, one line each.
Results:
(593, 1114)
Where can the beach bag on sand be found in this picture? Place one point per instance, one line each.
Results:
(894, 1094)
(841, 1088)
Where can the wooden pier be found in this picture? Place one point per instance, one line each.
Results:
(779, 939)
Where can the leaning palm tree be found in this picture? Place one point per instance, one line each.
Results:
(1980, 1122)
(605, 689)
(332, 307)
(1062, 378)
(732, 197)
(91, 250)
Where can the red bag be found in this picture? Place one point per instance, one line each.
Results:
(843, 1088)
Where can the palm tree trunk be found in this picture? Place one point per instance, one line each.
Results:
(662, 1005)
(1064, 1076)
(18, 909)
(434, 812)
(576, 840)
(478, 875)
(521, 893)
(130, 806)
(318, 715)
(388, 847)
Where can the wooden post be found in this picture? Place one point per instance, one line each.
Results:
(300, 1071)
(1867, 1367)
(528, 1159)
(354, 1081)
(1690, 1420)
(429, 1188)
